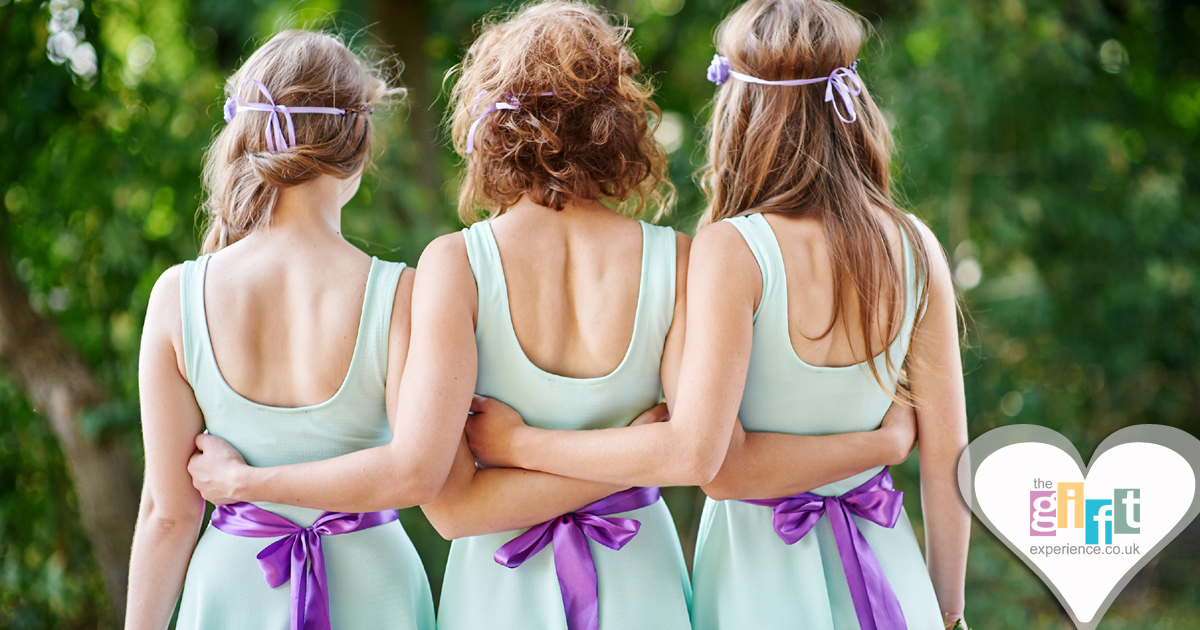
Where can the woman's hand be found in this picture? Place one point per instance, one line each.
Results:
(216, 468)
(491, 430)
(899, 432)
(657, 413)
(494, 428)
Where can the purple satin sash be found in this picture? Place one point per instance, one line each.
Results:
(875, 603)
(297, 556)
(573, 557)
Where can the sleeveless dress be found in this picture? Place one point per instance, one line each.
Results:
(745, 576)
(374, 576)
(643, 585)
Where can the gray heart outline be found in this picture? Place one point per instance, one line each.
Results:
(1183, 443)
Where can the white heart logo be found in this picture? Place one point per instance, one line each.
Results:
(1085, 530)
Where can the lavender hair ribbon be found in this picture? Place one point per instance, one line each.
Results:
(875, 603)
(508, 101)
(275, 139)
(719, 72)
(573, 557)
(297, 556)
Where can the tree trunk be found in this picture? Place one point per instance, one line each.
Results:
(402, 25)
(60, 387)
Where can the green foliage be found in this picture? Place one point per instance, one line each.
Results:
(1052, 147)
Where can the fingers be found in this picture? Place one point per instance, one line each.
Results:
(657, 413)
(205, 441)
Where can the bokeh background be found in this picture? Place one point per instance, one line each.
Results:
(1051, 145)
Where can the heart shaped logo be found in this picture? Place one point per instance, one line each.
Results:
(1085, 530)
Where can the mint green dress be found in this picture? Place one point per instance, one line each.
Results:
(745, 576)
(375, 577)
(643, 585)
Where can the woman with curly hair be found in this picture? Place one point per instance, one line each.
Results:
(561, 305)
(811, 296)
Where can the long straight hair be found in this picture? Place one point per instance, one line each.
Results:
(785, 150)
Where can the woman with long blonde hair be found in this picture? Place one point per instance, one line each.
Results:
(810, 291)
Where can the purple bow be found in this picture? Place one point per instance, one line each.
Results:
(719, 72)
(875, 603)
(573, 557)
(274, 131)
(508, 102)
(297, 556)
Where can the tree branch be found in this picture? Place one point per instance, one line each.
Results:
(59, 386)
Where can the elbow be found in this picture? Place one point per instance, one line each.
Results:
(169, 520)
(443, 523)
(413, 484)
(449, 522)
(703, 473)
(719, 489)
(701, 465)
(412, 492)
(426, 491)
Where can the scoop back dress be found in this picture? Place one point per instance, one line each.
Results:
(745, 576)
(643, 585)
(375, 578)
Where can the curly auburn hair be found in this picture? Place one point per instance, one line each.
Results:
(583, 127)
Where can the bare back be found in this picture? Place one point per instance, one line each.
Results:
(573, 281)
(810, 295)
(284, 317)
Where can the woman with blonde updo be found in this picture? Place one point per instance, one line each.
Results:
(287, 341)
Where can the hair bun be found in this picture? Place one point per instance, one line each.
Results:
(297, 69)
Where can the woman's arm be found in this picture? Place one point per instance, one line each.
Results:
(475, 502)
(935, 376)
(432, 403)
(171, 509)
(725, 284)
(722, 286)
(763, 465)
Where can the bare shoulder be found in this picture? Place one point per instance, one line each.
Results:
(163, 311)
(162, 332)
(721, 235)
(939, 267)
(722, 264)
(722, 244)
(445, 253)
(444, 277)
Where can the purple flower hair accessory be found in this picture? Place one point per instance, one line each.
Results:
(718, 70)
(230, 109)
(844, 81)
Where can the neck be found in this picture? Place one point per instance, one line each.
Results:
(572, 209)
(313, 208)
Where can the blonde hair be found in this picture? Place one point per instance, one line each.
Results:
(784, 150)
(583, 127)
(300, 69)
